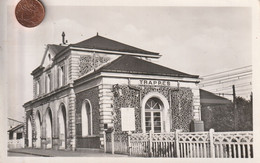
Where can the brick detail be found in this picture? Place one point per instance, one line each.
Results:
(106, 108)
(72, 126)
(73, 62)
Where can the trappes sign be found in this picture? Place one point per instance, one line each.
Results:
(155, 82)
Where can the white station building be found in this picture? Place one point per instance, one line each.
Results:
(82, 89)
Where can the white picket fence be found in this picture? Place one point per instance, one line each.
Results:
(116, 143)
(183, 144)
(233, 144)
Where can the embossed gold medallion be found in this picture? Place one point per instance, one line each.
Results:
(29, 13)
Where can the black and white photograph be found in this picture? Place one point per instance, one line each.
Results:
(129, 80)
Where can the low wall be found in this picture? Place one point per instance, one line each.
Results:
(88, 142)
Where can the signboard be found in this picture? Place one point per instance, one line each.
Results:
(155, 82)
(128, 119)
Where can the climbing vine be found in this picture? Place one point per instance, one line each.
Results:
(180, 102)
(89, 62)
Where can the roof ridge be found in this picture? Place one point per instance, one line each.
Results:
(150, 62)
(214, 94)
(147, 62)
(122, 43)
(126, 47)
(85, 40)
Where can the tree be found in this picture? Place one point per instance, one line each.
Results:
(245, 114)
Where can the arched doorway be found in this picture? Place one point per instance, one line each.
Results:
(49, 128)
(62, 127)
(86, 118)
(38, 130)
(155, 115)
(29, 132)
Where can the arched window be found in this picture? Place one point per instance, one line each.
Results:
(37, 88)
(48, 83)
(49, 61)
(61, 76)
(153, 115)
(86, 118)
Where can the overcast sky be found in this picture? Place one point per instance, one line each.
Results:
(195, 40)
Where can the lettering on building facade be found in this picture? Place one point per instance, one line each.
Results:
(155, 82)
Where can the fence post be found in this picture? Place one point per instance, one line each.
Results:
(211, 143)
(105, 143)
(150, 143)
(129, 143)
(177, 143)
(112, 141)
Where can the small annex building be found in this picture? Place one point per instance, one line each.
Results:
(15, 134)
(80, 90)
(216, 111)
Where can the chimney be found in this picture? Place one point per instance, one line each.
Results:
(64, 42)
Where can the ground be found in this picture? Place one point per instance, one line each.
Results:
(28, 152)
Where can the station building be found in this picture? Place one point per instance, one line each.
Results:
(80, 90)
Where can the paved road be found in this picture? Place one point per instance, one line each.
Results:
(11, 154)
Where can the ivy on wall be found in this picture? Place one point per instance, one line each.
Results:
(89, 62)
(124, 96)
(180, 101)
(181, 109)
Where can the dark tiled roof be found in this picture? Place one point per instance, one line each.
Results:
(16, 128)
(56, 48)
(102, 43)
(129, 64)
(207, 97)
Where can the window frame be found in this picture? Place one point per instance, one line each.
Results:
(48, 88)
(165, 116)
(88, 118)
(152, 111)
(38, 87)
(61, 76)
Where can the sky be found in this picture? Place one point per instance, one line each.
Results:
(195, 40)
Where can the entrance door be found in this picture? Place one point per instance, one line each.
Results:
(49, 129)
(62, 127)
(38, 130)
(29, 132)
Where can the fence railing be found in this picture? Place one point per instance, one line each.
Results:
(116, 143)
(193, 144)
(16, 143)
(139, 144)
(182, 144)
(233, 144)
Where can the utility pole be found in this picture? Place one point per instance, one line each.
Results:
(235, 108)
(251, 97)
